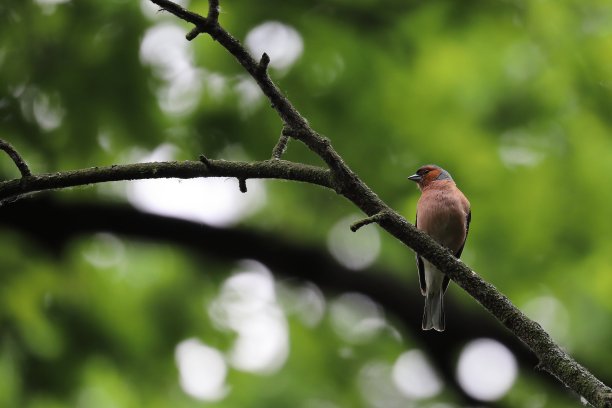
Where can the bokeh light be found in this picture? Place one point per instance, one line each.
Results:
(247, 305)
(305, 301)
(355, 250)
(216, 201)
(414, 377)
(104, 250)
(164, 48)
(486, 369)
(202, 370)
(377, 387)
(356, 318)
(552, 315)
(281, 42)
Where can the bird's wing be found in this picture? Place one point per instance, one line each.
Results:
(445, 283)
(468, 219)
(421, 268)
(420, 265)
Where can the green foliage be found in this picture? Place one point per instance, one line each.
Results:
(512, 97)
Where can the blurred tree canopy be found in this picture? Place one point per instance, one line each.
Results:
(514, 98)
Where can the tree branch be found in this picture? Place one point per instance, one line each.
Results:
(275, 169)
(552, 358)
(16, 157)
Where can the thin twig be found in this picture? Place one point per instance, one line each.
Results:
(370, 220)
(202, 24)
(195, 31)
(182, 13)
(281, 145)
(16, 157)
(205, 160)
(213, 10)
(263, 63)
(242, 185)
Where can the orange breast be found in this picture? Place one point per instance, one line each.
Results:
(442, 213)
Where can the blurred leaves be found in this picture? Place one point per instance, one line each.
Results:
(512, 97)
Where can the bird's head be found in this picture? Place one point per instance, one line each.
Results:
(429, 174)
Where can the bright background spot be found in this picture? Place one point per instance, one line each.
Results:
(377, 388)
(202, 370)
(104, 250)
(50, 2)
(282, 43)
(49, 6)
(45, 110)
(414, 377)
(305, 301)
(247, 305)
(486, 369)
(216, 201)
(356, 318)
(48, 111)
(518, 148)
(552, 315)
(355, 250)
(249, 95)
(164, 48)
(527, 147)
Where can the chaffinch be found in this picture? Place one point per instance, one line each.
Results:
(444, 213)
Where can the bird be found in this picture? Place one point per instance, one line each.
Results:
(444, 213)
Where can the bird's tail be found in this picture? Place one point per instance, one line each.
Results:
(433, 315)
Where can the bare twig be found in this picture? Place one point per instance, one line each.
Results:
(370, 220)
(281, 145)
(191, 35)
(16, 157)
(213, 10)
(205, 160)
(263, 63)
(202, 24)
(182, 13)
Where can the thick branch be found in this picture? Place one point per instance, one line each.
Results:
(552, 358)
(276, 169)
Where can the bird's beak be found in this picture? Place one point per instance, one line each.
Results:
(415, 177)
